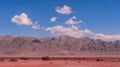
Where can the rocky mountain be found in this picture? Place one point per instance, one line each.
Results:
(63, 45)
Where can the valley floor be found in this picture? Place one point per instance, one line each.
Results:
(60, 63)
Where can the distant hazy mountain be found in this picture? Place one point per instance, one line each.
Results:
(63, 45)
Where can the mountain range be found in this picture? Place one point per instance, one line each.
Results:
(62, 45)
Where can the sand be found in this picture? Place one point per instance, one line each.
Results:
(59, 63)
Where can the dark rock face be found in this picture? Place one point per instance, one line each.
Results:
(63, 45)
(36, 41)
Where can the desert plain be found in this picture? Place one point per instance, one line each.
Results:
(60, 62)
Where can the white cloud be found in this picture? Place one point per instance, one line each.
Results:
(21, 19)
(64, 10)
(69, 31)
(73, 31)
(72, 21)
(74, 17)
(107, 37)
(36, 25)
(53, 19)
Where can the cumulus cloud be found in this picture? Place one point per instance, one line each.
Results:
(64, 10)
(69, 31)
(73, 31)
(23, 19)
(53, 19)
(73, 21)
(107, 37)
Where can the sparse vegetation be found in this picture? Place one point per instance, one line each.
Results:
(13, 60)
(23, 58)
(97, 59)
(1, 59)
(45, 58)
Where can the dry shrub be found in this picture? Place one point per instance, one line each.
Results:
(45, 58)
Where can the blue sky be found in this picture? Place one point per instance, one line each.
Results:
(97, 16)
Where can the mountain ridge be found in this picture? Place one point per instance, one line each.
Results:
(62, 45)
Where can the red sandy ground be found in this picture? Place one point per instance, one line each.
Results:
(59, 63)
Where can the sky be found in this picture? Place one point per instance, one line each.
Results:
(97, 19)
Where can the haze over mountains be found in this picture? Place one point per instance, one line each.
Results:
(63, 45)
